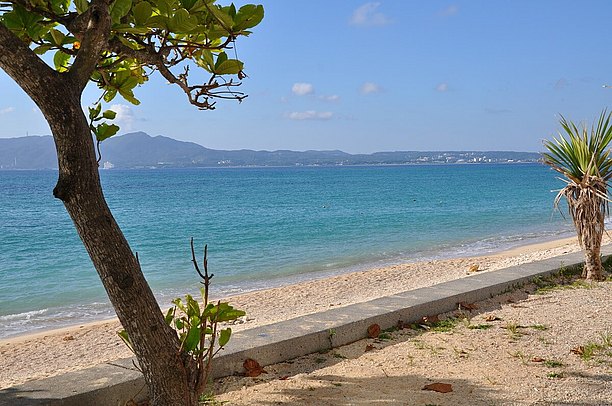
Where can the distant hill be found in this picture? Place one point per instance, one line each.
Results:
(140, 150)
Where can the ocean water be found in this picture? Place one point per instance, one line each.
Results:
(263, 226)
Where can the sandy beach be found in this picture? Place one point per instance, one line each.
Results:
(54, 352)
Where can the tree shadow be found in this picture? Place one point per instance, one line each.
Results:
(14, 396)
(381, 390)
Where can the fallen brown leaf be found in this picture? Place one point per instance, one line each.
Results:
(369, 347)
(577, 350)
(430, 319)
(68, 338)
(283, 378)
(492, 317)
(466, 306)
(537, 359)
(474, 268)
(439, 387)
(253, 368)
(374, 331)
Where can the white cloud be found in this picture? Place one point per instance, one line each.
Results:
(310, 115)
(125, 116)
(450, 10)
(302, 89)
(367, 15)
(330, 98)
(442, 87)
(369, 88)
(6, 110)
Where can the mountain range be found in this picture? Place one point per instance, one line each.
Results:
(140, 150)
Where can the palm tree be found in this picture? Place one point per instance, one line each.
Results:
(584, 160)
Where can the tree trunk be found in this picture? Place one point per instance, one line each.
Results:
(593, 268)
(169, 374)
(166, 370)
(590, 226)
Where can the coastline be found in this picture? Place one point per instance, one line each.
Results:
(52, 352)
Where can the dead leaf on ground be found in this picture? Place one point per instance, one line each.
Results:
(439, 387)
(537, 359)
(369, 347)
(374, 331)
(430, 319)
(492, 317)
(253, 368)
(68, 338)
(474, 268)
(466, 306)
(577, 350)
(283, 378)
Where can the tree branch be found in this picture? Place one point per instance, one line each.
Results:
(94, 40)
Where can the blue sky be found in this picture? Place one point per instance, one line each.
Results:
(389, 75)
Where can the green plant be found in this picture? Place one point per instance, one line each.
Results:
(444, 326)
(583, 158)
(198, 327)
(539, 327)
(480, 326)
(551, 363)
(554, 375)
(513, 330)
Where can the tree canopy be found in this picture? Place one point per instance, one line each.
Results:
(143, 36)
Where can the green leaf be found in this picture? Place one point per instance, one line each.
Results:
(119, 9)
(182, 21)
(248, 17)
(225, 19)
(229, 67)
(192, 340)
(104, 131)
(94, 111)
(179, 303)
(109, 95)
(58, 37)
(142, 11)
(109, 115)
(60, 60)
(42, 49)
(169, 315)
(129, 96)
(126, 339)
(81, 6)
(188, 4)
(224, 337)
(193, 308)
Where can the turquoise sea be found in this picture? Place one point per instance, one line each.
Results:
(264, 227)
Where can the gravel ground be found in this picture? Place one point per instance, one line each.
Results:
(528, 347)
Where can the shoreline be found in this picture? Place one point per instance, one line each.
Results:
(298, 279)
(324, 275)
(49, 353)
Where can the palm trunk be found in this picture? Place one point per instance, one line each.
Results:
(590, 226)
(593, 269)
